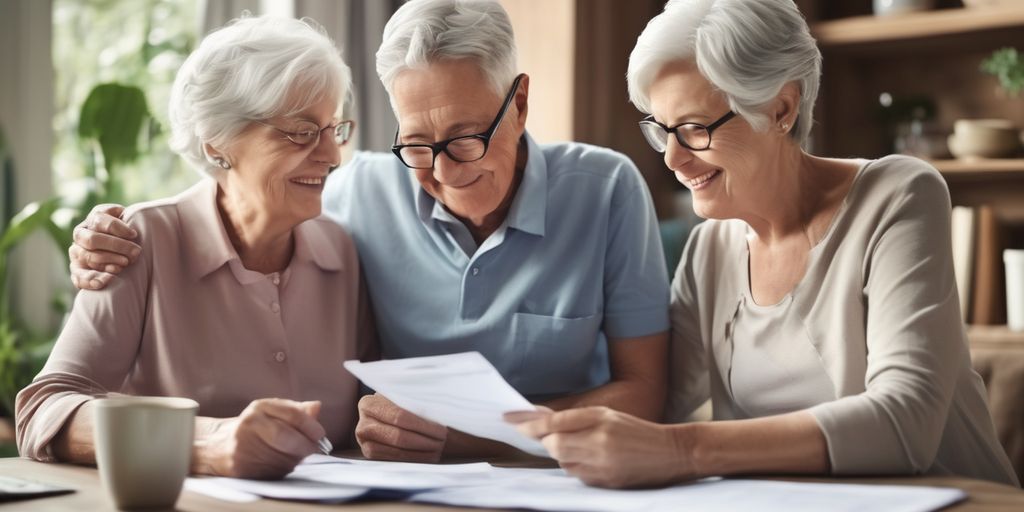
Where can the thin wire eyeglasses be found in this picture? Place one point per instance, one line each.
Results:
(692, 136)
(465, 148)
(307, 133)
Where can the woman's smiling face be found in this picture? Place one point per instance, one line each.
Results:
(723, 178)
(286, 178)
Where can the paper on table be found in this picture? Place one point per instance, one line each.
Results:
(236, 489)
(552, 492)
(333, 479)
(323, 478)
(398, 476)
(462, 391)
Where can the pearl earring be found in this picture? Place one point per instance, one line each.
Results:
(785, 127)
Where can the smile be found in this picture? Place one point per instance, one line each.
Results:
(701, 181)
(315, 182)
(467, 185)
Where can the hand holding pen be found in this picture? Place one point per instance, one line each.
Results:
(266, 441)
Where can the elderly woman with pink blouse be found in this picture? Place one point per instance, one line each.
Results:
(245, 299)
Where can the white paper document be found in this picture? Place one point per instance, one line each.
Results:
(332, 479)
(395, 476)
(462, 391)
(561, 493)
(240, 490)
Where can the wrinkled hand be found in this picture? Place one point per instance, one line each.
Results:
(607, 448)
(388, 432)
(266, 441)
(102, 247)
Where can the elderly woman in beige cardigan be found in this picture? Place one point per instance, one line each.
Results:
(816, 307)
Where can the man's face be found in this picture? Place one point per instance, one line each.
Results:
(451, 99)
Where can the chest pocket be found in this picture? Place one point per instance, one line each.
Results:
(557, 355)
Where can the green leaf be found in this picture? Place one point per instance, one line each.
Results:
(114, 115)
(31, 217)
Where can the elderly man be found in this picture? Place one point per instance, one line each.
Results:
(544, 258)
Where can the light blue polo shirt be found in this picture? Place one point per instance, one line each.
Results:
(577, 260)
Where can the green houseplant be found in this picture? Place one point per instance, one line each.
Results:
(1007, 64)
(113, 119)
(22, 351)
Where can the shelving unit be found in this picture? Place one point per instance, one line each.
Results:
(994, 335)
(934, 55)
(969, 166)
(946, 22)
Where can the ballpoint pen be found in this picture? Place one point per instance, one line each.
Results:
(325, 445)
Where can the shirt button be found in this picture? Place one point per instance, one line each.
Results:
(275, 307)
(476, 270)
(276, 280)
(280, 357)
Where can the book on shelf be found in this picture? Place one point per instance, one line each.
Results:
(962, 225)
(988, 302)
(978, 243)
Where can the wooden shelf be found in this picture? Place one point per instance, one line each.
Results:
(874, 29)
(980, 167)
(994, 335)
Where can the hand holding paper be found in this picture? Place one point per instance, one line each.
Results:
(462, 391)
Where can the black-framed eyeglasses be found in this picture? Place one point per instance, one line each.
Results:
(693, 136)
(307, 133)
(466, 148)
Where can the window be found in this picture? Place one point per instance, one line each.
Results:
(138, 43)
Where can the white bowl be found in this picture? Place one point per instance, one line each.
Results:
(987, 138)
(981, 148)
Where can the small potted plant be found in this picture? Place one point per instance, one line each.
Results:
(1007, 65)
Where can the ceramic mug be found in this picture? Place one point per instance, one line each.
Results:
(143, 448)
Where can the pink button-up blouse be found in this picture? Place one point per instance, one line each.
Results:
(187, 319)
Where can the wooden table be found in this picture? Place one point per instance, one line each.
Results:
(982, 496)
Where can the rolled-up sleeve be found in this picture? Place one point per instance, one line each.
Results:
(92, 356)
(915, 341)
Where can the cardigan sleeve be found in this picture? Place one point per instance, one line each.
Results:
(914, 335)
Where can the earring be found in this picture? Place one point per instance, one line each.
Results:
(785, 127)
(222, 163)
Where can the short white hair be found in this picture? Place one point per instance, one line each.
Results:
(423, 32)
(254, 68)
(748, 49)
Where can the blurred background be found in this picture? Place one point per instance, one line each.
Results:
(84, 87)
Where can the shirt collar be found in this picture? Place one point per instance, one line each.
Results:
(209, 247)
(529, 207)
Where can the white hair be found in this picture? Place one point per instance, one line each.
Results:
(252, 69)
(748, 49)
(422, 32)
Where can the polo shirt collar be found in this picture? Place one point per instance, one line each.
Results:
(529, 207)
(209, 247)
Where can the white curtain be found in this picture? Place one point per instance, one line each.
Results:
(356, 27)
(26, 115)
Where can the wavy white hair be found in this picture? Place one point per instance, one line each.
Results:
(748, 49)
(425, 31)
(252, 69)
